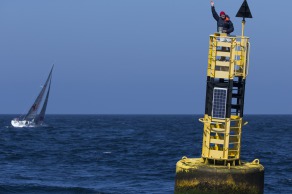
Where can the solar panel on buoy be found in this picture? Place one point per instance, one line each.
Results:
(219, 103)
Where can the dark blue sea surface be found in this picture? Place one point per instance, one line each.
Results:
(129, 154)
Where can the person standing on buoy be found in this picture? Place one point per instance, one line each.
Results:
(224, 24)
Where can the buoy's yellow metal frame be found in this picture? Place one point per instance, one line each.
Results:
(222, 137)
(237, 54)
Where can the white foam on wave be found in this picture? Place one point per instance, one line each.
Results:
(107, 152)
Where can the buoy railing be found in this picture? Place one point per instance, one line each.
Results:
(228, 56)
(222, 138)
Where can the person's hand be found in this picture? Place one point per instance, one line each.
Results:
(212, 3)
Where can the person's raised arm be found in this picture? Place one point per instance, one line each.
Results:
(215, 14)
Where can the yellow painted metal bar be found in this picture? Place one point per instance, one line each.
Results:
(216, 154)
(223, 63)
(222, 74)
(224, 44)
(223, 54)
(212, 56)
(226, 139)
(244, 56)
(206, 136)
(242, 29)
(217, 141)
(232, 58)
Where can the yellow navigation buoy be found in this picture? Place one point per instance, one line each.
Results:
(220, 170)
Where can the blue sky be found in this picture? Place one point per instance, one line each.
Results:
(135, 56)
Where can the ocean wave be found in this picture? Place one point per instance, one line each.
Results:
(43, 189)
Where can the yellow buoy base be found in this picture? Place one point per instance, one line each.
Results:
(194, 176)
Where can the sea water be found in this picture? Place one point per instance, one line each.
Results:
(129, 154)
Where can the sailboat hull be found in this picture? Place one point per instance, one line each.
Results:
(22, 123)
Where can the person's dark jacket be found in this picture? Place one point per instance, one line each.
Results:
(226, 24)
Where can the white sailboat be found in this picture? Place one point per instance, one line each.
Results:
(35, 116)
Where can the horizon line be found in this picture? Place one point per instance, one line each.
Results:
(143, 114)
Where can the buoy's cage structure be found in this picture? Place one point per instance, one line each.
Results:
(220, 170)
(228, 63)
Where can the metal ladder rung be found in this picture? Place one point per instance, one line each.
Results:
(223, 54)
(218, 129)
(234, 135)
(217, 141)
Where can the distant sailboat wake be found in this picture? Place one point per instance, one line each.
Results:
(35, 116)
